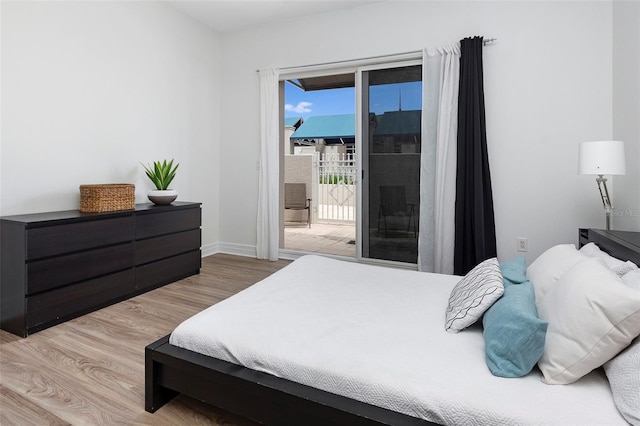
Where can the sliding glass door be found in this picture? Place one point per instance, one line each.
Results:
(391, 142)
(380, 150)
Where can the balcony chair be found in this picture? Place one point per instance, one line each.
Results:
(393, 203)
(295, 198)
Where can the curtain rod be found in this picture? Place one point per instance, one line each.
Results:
(485, 42)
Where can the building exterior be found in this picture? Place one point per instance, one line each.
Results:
(325, 134)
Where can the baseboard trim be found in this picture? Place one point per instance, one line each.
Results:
(246, 251)
(209, 249)
(237, 249)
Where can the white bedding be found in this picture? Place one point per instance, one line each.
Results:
(377, 335)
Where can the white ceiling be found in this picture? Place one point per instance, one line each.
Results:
(232, 15)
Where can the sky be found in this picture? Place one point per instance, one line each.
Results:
(299, 103)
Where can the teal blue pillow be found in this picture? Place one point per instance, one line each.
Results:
(514, 270)
(513, 334)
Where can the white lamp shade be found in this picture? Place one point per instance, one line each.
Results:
(601, 158)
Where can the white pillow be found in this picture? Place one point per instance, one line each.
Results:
(592, 316)
(473, 295)
(632, 279)
(620, 267)
(551, 265)
(623, 373)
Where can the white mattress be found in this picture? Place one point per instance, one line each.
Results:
(377, 335)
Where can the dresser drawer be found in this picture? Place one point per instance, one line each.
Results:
(153, 249)
(156, 224)
(56, 272)
(167, 270)
(77, 299)
(55, 240)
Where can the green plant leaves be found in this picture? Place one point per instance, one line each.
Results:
(161, 173)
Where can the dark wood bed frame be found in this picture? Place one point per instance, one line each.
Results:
(261, 397)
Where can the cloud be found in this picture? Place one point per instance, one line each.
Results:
(300, 108)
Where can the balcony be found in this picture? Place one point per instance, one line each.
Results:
(326, 238)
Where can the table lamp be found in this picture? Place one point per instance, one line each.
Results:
(602, 158)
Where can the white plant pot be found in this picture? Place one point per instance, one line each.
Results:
(162, 197)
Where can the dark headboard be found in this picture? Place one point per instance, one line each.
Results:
(624, 245)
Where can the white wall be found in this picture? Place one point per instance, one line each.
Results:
(626, 111)
(548, 86)
(91, 89)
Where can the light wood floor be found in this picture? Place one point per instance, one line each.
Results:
(90, 370)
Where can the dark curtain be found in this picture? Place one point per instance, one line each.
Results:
(475, 229)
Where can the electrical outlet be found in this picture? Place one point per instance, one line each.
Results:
(523, 244)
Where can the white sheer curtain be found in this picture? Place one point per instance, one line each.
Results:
(440, 79)
(268, 181)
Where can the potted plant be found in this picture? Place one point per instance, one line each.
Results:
(161, 174)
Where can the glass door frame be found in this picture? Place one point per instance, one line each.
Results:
(319, 70)
(362, 134)
(357, 66)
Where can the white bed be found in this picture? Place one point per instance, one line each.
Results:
(377, 335)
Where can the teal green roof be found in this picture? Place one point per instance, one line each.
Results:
(327, 127)
(344, 126)
(399, 123)
(293, 121)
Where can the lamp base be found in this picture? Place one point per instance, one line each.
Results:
(606, 199)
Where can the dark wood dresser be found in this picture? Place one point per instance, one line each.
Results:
(59, 265)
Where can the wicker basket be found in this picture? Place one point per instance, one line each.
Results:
(107, 197)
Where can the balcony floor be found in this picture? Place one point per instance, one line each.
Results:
(336, 239)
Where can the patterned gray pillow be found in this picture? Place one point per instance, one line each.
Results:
(473, 295)
(623, 372)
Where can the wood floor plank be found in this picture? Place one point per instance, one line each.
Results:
(18, 410)
(90, 370)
